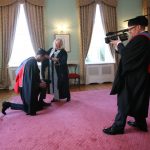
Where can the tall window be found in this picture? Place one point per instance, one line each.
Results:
(99, 51)
(22, 47)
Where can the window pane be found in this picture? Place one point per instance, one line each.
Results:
(22, 47)
(99, 51)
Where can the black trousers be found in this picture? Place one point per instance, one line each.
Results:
(24, 107)
(121, 116)
(123, 109)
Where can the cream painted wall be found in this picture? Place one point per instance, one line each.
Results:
(128, 9)
(63, 12)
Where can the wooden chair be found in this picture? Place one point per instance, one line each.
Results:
(73, 73)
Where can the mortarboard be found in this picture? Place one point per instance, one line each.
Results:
(139, 20)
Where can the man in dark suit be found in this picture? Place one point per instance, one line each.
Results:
(132, 81)
(31, 88)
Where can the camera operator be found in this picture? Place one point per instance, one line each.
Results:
(132, 81)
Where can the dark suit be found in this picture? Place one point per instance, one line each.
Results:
(132, 81)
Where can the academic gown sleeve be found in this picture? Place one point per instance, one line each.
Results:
(45, 65)
(135, 55)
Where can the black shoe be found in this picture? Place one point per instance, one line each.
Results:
(31, 114)
(54, 100)
(5, 106)
(68, 99)
(44, 104)
(132, 123)
(142, 126)
(113, 130)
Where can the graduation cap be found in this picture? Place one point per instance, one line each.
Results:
(139, 20)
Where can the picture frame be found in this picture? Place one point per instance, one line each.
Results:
(66, 41)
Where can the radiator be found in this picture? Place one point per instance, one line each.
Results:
(99, 73)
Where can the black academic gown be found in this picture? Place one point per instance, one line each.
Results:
(132, 76)
(62, 73)
(30, 89)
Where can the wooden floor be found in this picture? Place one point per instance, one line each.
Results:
(91, 87)
(5, 95)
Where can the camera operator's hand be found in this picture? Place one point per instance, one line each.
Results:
(115, 43)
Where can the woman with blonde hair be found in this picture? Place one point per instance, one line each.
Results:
(57, 71)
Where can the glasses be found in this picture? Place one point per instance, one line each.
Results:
(132, 27)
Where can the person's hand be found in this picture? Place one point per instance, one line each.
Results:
(115, 42)
(54, 59)
(47, 57)
(42, 84)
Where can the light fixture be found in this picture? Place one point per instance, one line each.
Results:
(62, 28)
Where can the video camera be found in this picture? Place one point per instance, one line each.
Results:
(114, 36)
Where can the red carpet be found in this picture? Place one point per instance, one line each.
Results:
(76, 125)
